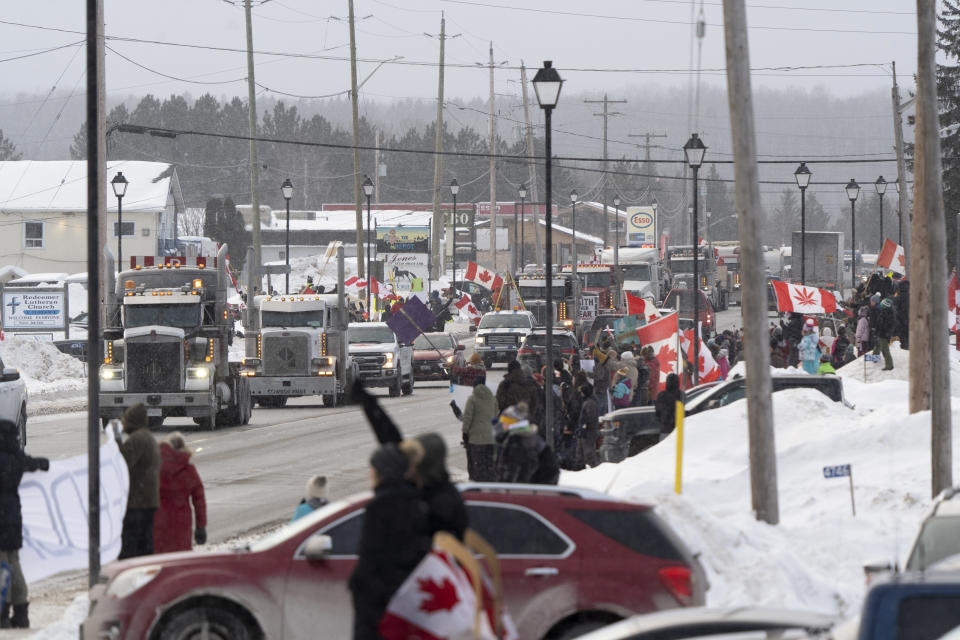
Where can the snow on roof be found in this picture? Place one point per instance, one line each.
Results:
(28, 185)
(346, 220)
(39, 277)
(579, 235)
(622, 211)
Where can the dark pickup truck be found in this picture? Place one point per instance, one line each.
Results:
(913, 606)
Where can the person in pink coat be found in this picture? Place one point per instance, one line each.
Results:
(180, 485)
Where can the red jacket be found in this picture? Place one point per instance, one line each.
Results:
(654, 385)
(179, 484)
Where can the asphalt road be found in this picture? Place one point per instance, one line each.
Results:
(254, 475)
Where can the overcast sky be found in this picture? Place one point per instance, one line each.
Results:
(598, 46)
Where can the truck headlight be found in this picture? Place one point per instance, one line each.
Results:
(481, 340)
(198, 373)
(325, 361)
(111, 373)
(449, 359)
(388, 363)
(130, 581)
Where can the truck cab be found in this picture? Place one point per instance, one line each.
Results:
(299, 351)
(597, 279)
(642, 273)
(531, 294)
(381, 360)
(500, 333)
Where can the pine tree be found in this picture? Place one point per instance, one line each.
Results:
(211, 218)
(234, 233)
(948, 95)
(8, 150)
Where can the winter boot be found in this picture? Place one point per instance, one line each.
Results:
(5, 616)
(19, 620)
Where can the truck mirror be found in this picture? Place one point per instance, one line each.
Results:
(198, 349)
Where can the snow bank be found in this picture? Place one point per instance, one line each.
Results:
(67, 627)
(813, 559)
(50, 375)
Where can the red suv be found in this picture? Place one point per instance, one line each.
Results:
(572, 560)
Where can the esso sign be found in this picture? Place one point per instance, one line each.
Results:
(641, 220)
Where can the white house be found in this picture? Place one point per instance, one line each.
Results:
(43, 211)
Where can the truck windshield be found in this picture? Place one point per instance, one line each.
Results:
(686, 300)
(637, 272)
(182, 316)
(685, 265)
(440, 342)
(534, 292)
(505, 321)
(312, 318)
(360, 335)
(595, 280)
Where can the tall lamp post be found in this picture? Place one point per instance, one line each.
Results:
(802, 176)
(574, 196)
(287, 189)
(119, 184)
(368, 191)
(881, 186)
(694, 150)
(616, 248)
(853, 190)
(547, 84)
(522, 192)
(454, 190)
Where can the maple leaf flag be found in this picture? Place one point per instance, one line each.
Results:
(801, 299)
(467, 308)
(438, 601)
(709, 369)
(662, 335)
(953, 302)
(482, 276)
(892, 257)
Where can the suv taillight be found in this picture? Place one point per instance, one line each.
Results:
(678, 581)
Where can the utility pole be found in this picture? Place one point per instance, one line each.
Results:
(376, 162)
(902, 194)
(493, 169)
(928, 263)
(763, 460)
(438, 163)
(531, 165)
(603, 189)
(354, 101)
(254, 280)
(647, 146)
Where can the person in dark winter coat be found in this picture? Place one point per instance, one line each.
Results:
(602, 374)
(13, 464)
(394, 538)
(517, 387)
(180, 484)
(588, 431)
(477, 421)
(886, 325)
(839, 348)
(793, 333)
(653, 370)
(523, 456)
(314, 497)
(142, 455)
(446, 510)
(903, 313)
(666, 405)
(776, 354)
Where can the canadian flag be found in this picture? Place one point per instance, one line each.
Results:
(482, 276)
(467, 308)
(438, 601)
(892, 257)
(953, 302)
(709, 369)
(635, 304)
(359, 283)
(801, 299)
(351, 283)
(662, 335)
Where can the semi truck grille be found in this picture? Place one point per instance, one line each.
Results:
(154, 367)
(499, 339)
(286, 355)
(373, 362)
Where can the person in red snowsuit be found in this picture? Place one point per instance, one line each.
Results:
(180, 485)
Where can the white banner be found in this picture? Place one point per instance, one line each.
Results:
(54, 503)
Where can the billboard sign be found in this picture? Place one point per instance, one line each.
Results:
(400, 269)
(641, 226)
(34, 309)
(403, 239)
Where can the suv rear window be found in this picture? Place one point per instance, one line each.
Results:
(637, 530)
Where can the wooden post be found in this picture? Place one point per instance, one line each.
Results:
(532, 165)
(763, 462)
(928, 260)
(438, 166)
(356, 141)
(252, 126)
(493, 169)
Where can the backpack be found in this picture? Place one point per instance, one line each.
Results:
(621, 394)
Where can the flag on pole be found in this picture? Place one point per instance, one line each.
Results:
(892, 257)
(467, 308)
(482, 276)
(662, 335)
(801, 299)
(709, 369)
(411, 319)
(635, 304)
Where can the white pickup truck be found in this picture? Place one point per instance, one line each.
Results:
(380, 360)
(500, 333)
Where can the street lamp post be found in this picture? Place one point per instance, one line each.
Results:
(368, 191)
(853, 190)
(802, 176)
(694, 150)
(547, 84)
(616, 248)
(119, 184)
(287, 189)
(881, 186)
(454, 190)
(574, 196)
(522, 191)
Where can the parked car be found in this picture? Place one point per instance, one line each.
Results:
(735, 389)
(436, 355)
(499, 334)
(685, 299)
(533, 349)
(914, 605)
(701, 622)
(939, 535)
(570, 559)
(13, 401)
(75, 348)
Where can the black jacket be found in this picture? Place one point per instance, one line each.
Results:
(394, 539)
(519, 387)
(13, 463)
(666, 404)
(525, 457)
(589, 421)
(446, 510)
(886, 320)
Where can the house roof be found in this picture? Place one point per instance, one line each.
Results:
(585, 237)
(54, 186)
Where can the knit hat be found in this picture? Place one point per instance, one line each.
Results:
(612, 353)
(135, 417)
(626, 355)
(875, 298)
(723, 353)
(177, 441)
(513, 365)
(389, 463)
(811, 323)
(475, 358)
(316, 488)
(514, 413)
